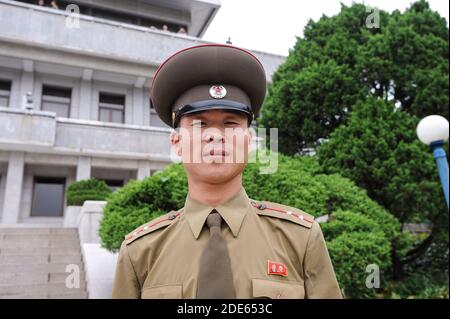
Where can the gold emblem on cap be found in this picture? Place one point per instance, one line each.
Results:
(217, 91)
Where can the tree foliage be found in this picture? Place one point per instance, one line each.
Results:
(378, 150)
(340, 61)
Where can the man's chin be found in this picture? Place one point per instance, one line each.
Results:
(215, 173)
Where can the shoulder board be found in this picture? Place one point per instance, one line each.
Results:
(292, 214)
(151, 226)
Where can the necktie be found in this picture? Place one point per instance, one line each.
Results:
(215, 280)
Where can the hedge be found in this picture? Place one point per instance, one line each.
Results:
(89, 189)
(359, 231)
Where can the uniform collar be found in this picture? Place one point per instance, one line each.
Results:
(232, 211)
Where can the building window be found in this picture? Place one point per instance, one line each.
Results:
(111, 108)
(48, 197)
(5, 92)
(113, 184)
(56, 99)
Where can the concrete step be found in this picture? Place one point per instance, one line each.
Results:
(71, 295)
(38, 237)
(49, 289)
(39, 259)
(23, 243)
(25, 278)
(37, 231)
(33, 263)
(30, 251)
(61, 277)
(39, 268)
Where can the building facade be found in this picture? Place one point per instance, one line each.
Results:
(74, 95)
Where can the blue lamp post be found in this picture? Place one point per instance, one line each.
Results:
(433, 131)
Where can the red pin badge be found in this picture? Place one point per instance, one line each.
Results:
(276, 268)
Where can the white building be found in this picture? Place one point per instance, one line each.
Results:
(88, 113)
(74, 104)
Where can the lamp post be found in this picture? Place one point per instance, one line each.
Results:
(433, 131)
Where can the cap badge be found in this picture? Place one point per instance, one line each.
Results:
(217, 91)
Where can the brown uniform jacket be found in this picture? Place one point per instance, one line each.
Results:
(276, 251)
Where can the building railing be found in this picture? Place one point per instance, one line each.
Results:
(96, 36)
(113, 15)
(28, 130)
(52, 29)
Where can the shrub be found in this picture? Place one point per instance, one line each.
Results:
(351, 253)
(354, 242)
(141, 201)
(419, 285)
(89, 189)
(358, 233)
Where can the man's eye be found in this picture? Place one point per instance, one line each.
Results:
(198, 123)
(231, 123)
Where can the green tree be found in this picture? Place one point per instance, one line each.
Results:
(379, 150)
(340, 61)
(407, 62)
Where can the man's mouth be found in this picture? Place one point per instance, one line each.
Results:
(216, 152)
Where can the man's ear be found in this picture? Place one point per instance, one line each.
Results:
(175, 138)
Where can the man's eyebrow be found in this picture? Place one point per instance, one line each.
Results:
(194, 117)
(227, 116)
(233, 116)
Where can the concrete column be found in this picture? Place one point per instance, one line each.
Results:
(13, 188)
(138, 106)
(84, 108)
(83, 168)
(26, 85)
(143, 170)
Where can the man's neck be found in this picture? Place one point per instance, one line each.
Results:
(214, 194)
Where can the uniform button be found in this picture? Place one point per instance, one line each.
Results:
(261, 206)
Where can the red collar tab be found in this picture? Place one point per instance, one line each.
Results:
(262, 206)
(140, 230)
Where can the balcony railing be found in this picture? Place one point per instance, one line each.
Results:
(41, 131)
(51, 28)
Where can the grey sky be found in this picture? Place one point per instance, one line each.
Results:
(271, 25)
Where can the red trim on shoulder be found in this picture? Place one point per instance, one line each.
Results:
(194, 47)
(170, 217)
(283, 211)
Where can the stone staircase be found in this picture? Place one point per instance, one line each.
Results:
(34, 261)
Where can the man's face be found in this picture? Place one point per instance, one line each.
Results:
(213, 145)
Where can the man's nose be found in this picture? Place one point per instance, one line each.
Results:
(214, 137)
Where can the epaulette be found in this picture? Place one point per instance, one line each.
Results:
(151, 226)
(285, 212)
